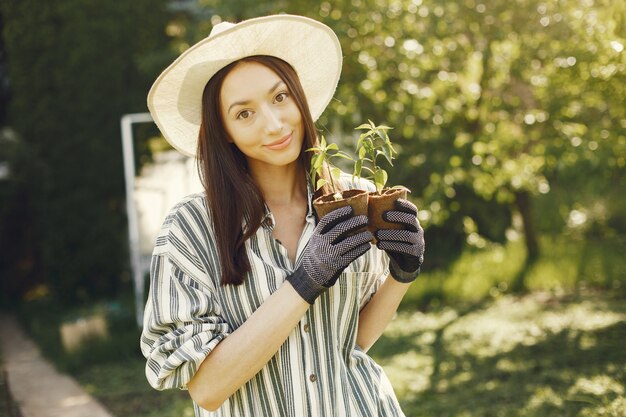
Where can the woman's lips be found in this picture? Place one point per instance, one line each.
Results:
(281, 143)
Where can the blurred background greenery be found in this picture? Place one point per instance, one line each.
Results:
(510, 121)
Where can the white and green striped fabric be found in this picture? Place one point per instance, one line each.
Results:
(318, 371)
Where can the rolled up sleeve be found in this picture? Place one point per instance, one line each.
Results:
(182, 325)
(183, 319)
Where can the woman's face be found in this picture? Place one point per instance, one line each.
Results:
(260, 116)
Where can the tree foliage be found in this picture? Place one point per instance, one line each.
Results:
(501, 110)
(492, 101)
(495, 104)
(75, 67)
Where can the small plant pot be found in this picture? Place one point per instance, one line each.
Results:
(380, 203)
(356, 198)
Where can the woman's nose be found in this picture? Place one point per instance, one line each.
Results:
(273, 120)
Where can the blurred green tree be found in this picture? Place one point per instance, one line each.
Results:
(495, 104)
(74, 68)
(490, 98)
(499, 108)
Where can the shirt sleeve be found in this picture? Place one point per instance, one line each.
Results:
(182, 320)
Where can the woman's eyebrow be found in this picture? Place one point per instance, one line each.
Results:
(244, 102)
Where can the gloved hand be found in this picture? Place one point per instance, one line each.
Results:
(405, 247)
(330, 250)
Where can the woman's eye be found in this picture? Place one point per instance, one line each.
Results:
(243, 114)
(281, 97)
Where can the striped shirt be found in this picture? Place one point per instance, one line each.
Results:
(318, 371)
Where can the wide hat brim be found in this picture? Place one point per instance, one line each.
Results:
(310, 47)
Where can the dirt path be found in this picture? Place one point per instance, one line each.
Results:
(37, 388)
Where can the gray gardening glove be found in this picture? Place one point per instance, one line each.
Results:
(330, 250)
(405, 247)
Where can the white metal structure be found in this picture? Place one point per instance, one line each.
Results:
(131, 211)
(149, 197)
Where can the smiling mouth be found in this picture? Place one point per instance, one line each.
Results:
(281, 143)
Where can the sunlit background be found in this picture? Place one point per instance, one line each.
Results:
(510, 123)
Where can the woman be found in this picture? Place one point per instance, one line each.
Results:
(254, 306)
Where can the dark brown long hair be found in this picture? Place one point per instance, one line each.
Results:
(235, 203)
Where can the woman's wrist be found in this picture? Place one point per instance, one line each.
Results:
(305, 286)
(398, 274)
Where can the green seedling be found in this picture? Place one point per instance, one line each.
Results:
(373, 143)
(322, 159)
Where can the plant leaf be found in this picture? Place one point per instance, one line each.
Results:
(358, 166)
(386, 154)
(380, 179)
(343, 155)
(317, 162)
(368, 169)
(320, 183)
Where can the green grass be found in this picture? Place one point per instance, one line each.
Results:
(537, 355)
(462, 345)
(566, 265)
(122, 388)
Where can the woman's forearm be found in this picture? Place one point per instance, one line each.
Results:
(241, 355)
(375, 316)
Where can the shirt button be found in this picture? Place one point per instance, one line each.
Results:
(312, 378)
(307, 327)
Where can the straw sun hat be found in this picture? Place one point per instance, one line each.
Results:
(310, 47)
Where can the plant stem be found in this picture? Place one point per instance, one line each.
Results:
(332, 181)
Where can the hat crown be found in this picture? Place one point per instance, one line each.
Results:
(220, 27)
